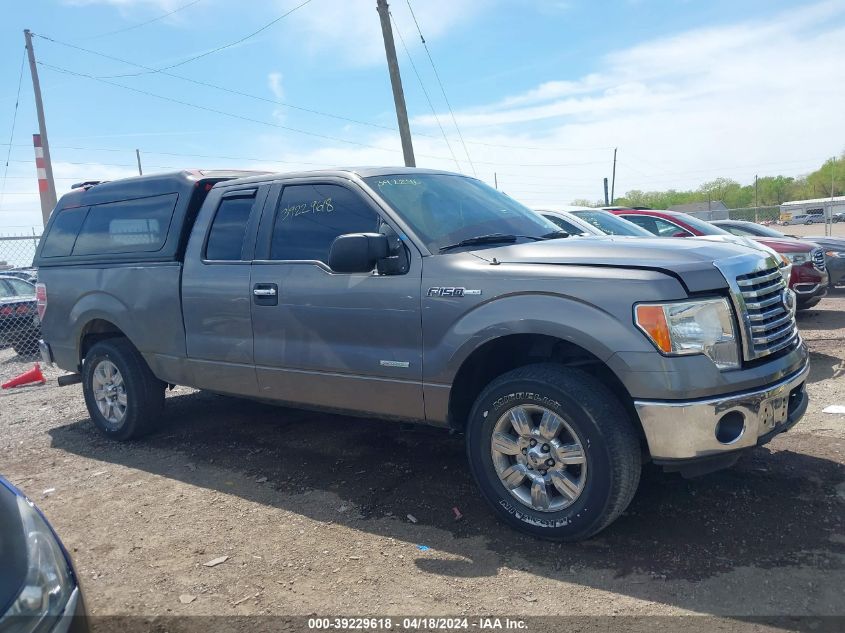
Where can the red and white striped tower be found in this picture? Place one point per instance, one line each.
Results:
(48, 198)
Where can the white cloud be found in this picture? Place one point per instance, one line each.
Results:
(350, 32)
(274, 82)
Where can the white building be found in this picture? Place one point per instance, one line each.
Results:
(821, 208)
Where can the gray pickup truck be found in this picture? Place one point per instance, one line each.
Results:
(425, 296)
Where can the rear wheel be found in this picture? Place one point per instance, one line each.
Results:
(553, 452)
(123, 397)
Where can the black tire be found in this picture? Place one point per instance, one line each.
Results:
(144, 392)
(603, 427)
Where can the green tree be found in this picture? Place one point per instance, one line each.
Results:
(771, 190)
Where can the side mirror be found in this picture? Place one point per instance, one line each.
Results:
(357, 252)
(681, 234)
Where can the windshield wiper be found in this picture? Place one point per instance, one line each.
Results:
(555, 235)
(492, 238)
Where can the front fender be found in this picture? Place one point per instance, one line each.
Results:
(596, 330)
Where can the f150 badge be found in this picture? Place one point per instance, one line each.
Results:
(438, 291)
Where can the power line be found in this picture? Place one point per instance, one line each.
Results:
(216, 111)
(140, 24)
(288, 162)
(442, 89)
(214, 86)
(12, 133)
(284, 104)
(425, 92)
(219, 48)
(286, 127)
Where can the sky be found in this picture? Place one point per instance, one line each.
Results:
(535, 94)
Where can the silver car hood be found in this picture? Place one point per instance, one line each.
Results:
(689, 259)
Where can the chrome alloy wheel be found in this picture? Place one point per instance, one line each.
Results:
(538, 458)
(109, 392)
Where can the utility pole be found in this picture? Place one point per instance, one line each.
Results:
(828, 222)
(756, 201)
(606, 200)
(138, 156)
(396, 83)
(48, 189)
(496, 179)
(613, 182)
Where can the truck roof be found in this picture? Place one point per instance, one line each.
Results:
(362, 172)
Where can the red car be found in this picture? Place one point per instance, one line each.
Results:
(809, 277)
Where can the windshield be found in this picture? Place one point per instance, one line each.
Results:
(702, 226)
(612, 225)
(754, 229)
(444, 209)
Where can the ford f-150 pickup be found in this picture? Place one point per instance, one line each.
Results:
(425, 296)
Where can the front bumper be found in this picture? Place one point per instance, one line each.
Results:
(687, 429)
(835, 270)
(808, 283)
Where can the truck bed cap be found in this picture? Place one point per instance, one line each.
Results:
(140, 186)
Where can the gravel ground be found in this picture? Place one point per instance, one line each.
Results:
(311, 511)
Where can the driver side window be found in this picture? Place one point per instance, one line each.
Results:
(310, 216)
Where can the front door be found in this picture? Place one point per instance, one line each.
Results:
(336, 340)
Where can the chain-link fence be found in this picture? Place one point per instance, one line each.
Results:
(19, 323)
(755, 214)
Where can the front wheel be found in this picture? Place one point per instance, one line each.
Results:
(123, 397)
(553, 451)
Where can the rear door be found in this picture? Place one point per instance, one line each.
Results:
(216, 291)
(335, 340)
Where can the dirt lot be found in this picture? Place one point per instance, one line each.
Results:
(311, 511)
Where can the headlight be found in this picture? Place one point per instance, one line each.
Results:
(691, 327)
(835, 254)
(785, 268)
(48, 584)
(797, 258)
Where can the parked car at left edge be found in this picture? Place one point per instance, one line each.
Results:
(39, 590)
(808, 279)
(20, 325)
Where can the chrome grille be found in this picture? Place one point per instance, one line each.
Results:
(818, 258)
(769, 323)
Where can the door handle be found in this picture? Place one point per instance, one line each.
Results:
(265, 294)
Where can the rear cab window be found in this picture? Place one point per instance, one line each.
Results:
(63, 233)
(128, 226)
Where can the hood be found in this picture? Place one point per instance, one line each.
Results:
(739, 239)
(689, 259)
(828, 243)
(785, 245)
